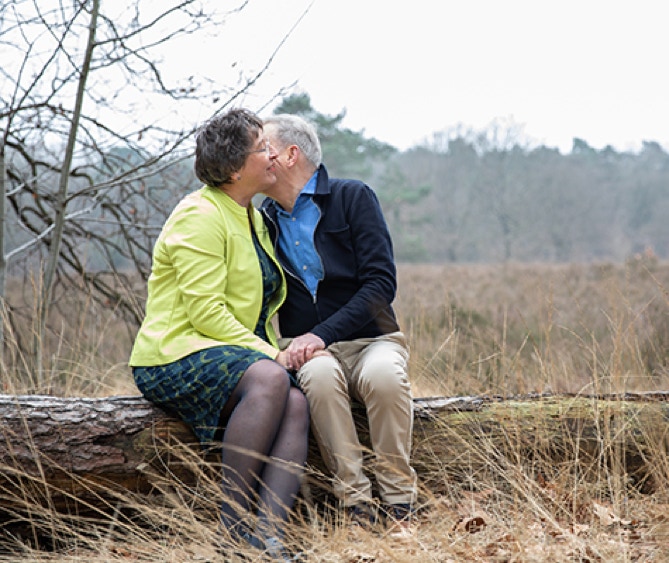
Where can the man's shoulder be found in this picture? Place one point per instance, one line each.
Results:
(326, 184)
(346, 187)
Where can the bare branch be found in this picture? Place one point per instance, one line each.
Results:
(91, 183)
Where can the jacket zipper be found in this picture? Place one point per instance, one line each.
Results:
(275, 240)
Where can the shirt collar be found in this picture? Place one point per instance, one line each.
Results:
(310, 187)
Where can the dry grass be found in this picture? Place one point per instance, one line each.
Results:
(493, 329)
(496, 330)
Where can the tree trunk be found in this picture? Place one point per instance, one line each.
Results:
(66, 452)
(49, 272)
(3, 262)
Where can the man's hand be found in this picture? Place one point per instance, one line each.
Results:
(303, 348)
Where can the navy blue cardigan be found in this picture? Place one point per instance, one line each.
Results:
(360, 279)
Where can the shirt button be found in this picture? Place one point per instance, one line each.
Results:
(304, 268)
(297, 243)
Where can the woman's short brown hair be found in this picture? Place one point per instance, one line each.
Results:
(223, 144)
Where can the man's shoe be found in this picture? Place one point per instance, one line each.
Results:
(399, 520)
(361, 515)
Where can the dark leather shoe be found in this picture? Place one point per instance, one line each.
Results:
(361, 514)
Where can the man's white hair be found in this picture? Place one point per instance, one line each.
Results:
(294, 130)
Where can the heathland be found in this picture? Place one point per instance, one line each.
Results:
(502, 330)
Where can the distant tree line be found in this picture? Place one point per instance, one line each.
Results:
(488, 196)
(512, 203)
(462, 197)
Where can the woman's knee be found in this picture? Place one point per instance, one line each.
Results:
(298, 407)
(268, 377)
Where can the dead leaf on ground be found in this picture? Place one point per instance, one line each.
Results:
(471, 524)
(607, 516)
(355, 556)
(502, 546)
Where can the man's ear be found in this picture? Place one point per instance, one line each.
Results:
(293, 152)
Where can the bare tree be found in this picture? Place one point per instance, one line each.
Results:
(3, 268)
(502, 184)
(94, 144)
(61, 196)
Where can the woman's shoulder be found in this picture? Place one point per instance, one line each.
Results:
(209, 201)
(194, 209)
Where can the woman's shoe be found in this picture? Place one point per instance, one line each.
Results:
(277, 551)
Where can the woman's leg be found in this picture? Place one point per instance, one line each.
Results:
(264, 417)
(252, 418)
(280, 480)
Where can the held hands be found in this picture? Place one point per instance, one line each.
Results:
(301, 350)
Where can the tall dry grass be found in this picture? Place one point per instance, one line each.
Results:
(474, 330)
(515, 328)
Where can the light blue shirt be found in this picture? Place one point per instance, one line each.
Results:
(296, 236)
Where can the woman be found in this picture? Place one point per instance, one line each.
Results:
(206, 349)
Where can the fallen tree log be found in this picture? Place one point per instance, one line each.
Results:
(69, 453)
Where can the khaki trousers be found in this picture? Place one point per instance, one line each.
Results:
(372, 371)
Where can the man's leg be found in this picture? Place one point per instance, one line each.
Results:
(379, 380)
(324, 384)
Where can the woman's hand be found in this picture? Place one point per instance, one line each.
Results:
(282, 358)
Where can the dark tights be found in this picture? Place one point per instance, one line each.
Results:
(264, 417)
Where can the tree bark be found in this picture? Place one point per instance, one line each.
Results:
(67, 452)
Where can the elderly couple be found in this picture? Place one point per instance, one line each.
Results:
(318, 254)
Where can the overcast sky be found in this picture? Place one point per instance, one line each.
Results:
(593, 69)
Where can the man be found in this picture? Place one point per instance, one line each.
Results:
(333, 242)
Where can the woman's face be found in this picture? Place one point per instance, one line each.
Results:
(258, 169)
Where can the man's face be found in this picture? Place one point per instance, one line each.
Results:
(280, 168)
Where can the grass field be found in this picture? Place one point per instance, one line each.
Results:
(474, 330)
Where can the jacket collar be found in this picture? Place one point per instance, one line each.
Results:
(323, 183)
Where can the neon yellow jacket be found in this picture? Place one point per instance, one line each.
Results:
(205, 287)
